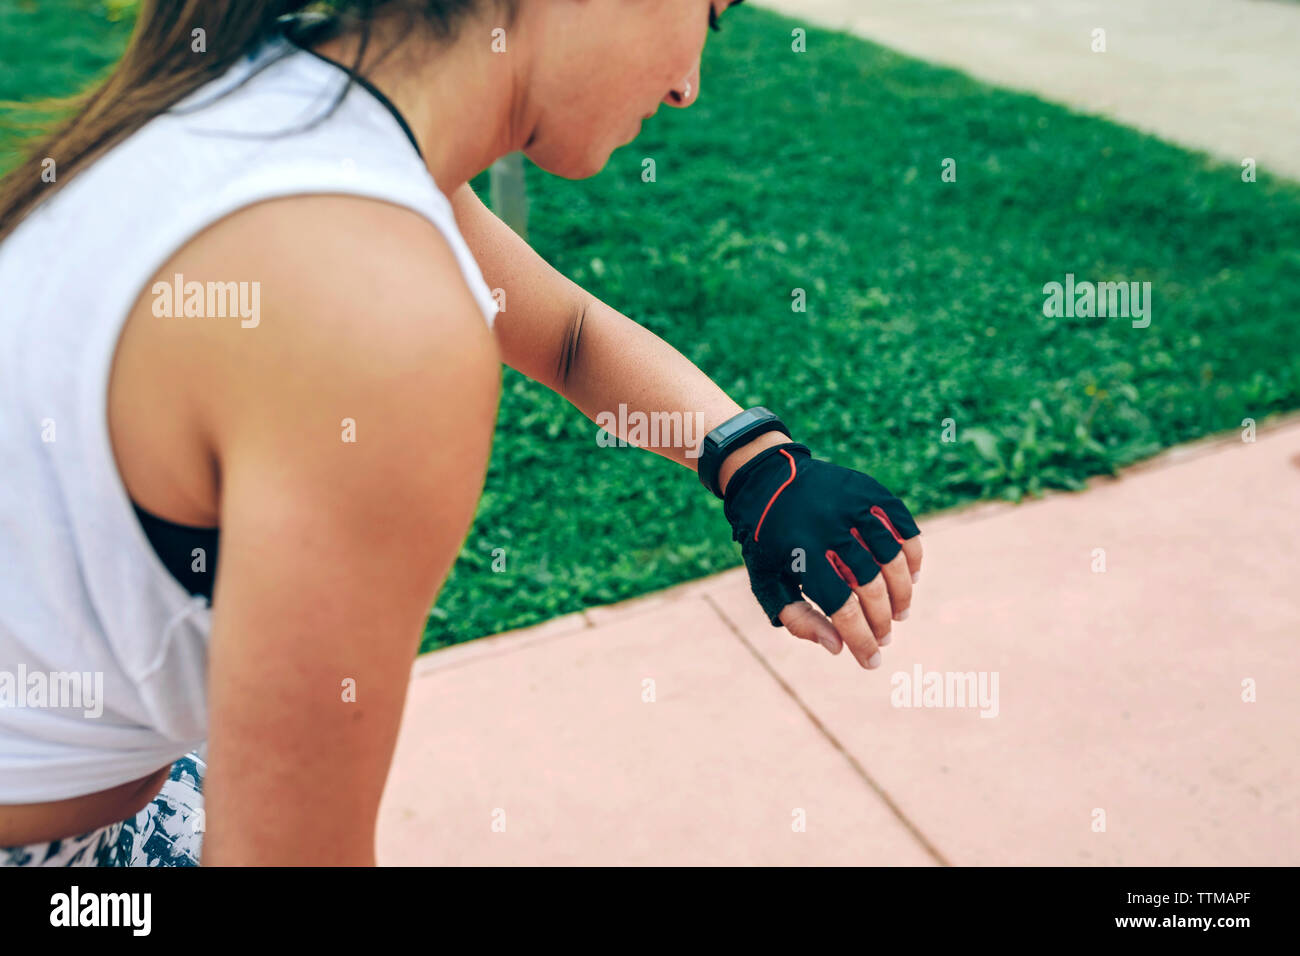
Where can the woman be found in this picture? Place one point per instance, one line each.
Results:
(242, 310)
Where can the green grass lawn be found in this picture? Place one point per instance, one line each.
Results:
(821, 171)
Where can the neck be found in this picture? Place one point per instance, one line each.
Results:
(466, 105)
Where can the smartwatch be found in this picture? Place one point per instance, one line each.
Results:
(730, 435)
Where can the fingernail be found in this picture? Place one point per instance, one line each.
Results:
(903, 616)
(916, 576)
(884, 641)
(874, 662)
(828, 643)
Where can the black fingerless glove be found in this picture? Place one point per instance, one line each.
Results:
(805, 523)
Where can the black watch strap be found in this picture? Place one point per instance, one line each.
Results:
(730, 435)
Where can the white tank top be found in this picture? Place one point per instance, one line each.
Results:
(103, 654)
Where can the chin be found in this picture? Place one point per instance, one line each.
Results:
(569, 163)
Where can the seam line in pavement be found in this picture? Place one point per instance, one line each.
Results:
(825, 731)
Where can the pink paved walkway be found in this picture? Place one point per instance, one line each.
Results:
(1118, 693)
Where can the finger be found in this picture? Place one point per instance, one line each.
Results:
(853, 630)
(830, 585)
(895, 520)
(868, 585)
(898, 579)
(849, 619)
(912, 552)
(809, 624)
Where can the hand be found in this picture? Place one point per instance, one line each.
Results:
(834, 533)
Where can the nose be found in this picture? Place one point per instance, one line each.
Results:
(686, 92)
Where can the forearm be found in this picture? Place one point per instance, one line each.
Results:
(619, 362)
(616, 372)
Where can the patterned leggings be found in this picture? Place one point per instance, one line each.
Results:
(168, 832)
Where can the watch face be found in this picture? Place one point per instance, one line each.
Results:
(742, 421)
(740, 424)
(728, 430)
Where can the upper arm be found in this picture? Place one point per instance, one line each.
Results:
(544, 309)
(352, 429)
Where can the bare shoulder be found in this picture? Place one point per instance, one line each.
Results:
(364, 313)
(364, 271)
(335, 292)
(310, 309)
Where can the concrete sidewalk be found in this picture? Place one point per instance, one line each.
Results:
(683, 729)
(1215, 75)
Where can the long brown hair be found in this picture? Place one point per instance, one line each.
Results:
(160, 68)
